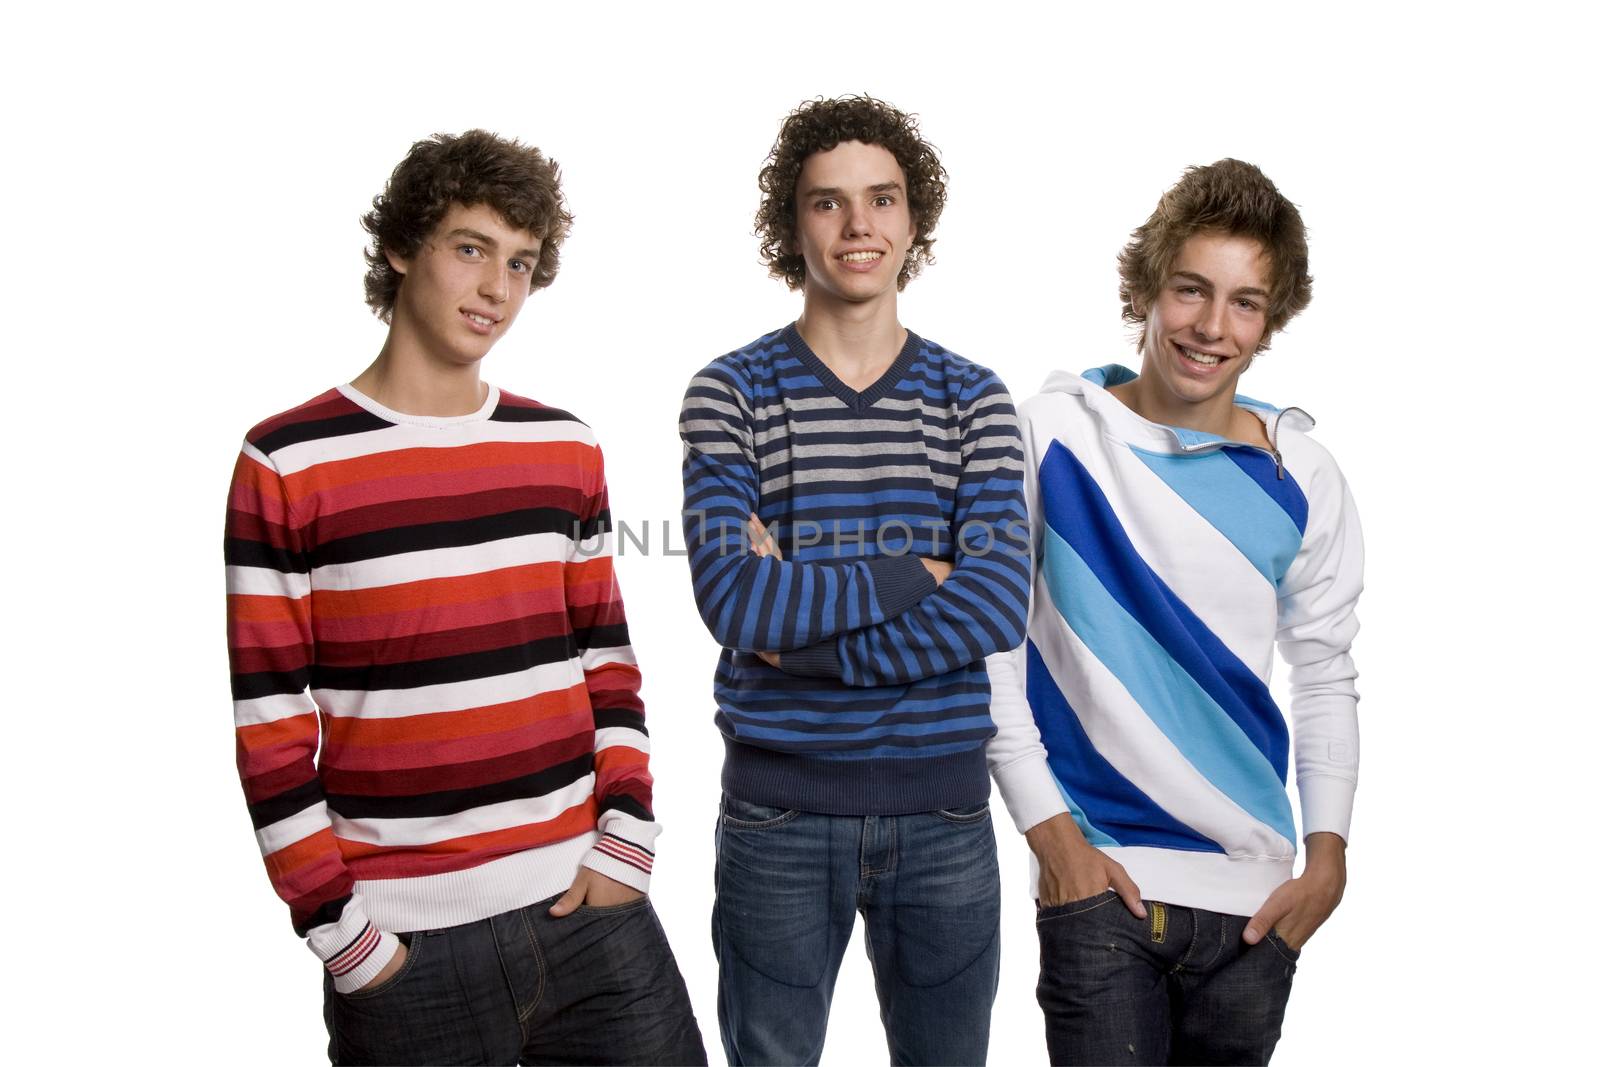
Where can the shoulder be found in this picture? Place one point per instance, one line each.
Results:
(967, 382)
(328, 414)
(742, 368)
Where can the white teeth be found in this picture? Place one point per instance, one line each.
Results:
(479, 319)
(1205, 359)
(861, 257)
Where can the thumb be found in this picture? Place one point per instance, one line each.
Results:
(1127, 890)
(1276, 907)
(570, 899)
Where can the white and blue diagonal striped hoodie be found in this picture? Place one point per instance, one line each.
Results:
(1167, 562)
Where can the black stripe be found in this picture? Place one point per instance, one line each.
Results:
(464, 667)
(331, 912)
(281, 806)
(631, 844)
(316, 429)
(453, 533)
(243, 552)
(626, 718)
(269, 683)
(352, 943)
(512, 413)
(454, 801)
(828, 743)
(627, 805)
(613, 636)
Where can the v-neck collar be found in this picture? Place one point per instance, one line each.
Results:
(830, 381)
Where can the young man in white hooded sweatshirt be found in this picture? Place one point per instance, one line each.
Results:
(1179, 532)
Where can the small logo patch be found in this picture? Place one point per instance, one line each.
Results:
(1158, 923)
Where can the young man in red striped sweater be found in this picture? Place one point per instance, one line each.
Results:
(420, 565)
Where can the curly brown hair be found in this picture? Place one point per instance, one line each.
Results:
(476, 167)
(1230, 197)
(820, 125)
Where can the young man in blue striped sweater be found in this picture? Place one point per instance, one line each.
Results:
(1180, 531)
(856, 530)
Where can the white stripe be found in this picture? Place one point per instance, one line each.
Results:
(297, 827)
(626, 736)
(449, 696)
(264, 581)
(1201, 566)
(1121, 732)
(599, 657)
(256, 454)
(272, 708)
(392, 833)
(444, 562)
(291, 459)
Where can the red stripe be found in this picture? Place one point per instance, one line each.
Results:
(362, 949)
(626, 855)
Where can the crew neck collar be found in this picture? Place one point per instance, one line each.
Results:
(356, 396)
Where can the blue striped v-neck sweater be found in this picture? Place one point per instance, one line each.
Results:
(882, 705)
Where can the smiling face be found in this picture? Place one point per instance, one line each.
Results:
(852, 223)
(1205, 324)
(463, 289)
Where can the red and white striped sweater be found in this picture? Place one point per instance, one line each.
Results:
(435, 598)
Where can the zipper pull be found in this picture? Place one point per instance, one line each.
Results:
(1277, 458)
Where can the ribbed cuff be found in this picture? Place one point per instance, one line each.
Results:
(1029, 792)
(621, 861)
(899, 582)
(359, 962)
(820, 660)
(1325, 804)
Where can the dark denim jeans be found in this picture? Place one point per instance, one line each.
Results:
(789, 884)
(1179, 986)
(597, 986)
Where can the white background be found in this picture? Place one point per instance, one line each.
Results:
(183, 258)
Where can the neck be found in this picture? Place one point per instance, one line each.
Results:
(407, 379)
(857, 342)
(1144, 397)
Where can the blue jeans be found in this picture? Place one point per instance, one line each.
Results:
(597, 986)
(1179, 986)
(789, 884)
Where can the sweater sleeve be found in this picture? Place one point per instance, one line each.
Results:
(981, 608)
(625, 850)
(749, 602)
(1316, 626)
(271, 649)
(1018, 760)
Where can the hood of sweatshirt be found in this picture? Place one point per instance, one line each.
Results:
(1128, 425)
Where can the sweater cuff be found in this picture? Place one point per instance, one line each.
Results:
(899, 582)
(622, 861)
(1325, 804)
(1029, 791)
(820, 660)
(357, 961)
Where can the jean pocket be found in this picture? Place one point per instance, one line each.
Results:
(413, 950)
(961, 816)
(599, 910)
(742, 815)
(1076, 907)
(1290, 954)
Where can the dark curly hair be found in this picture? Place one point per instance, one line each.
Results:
(819, 125)
(476, 167)
(1229, 197)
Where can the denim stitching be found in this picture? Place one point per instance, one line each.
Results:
(538, 954)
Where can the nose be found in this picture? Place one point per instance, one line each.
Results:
(858, 220)
(495, 283)
(1212, 322)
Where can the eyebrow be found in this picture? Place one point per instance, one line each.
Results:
(485, 239)
(1248, 290)
(831, 190)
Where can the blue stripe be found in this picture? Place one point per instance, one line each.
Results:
(1233, 502)
(1200, 729)
(1285, 491)
(1080, 514)
(1109, 804)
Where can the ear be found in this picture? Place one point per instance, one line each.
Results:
(395, 262)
